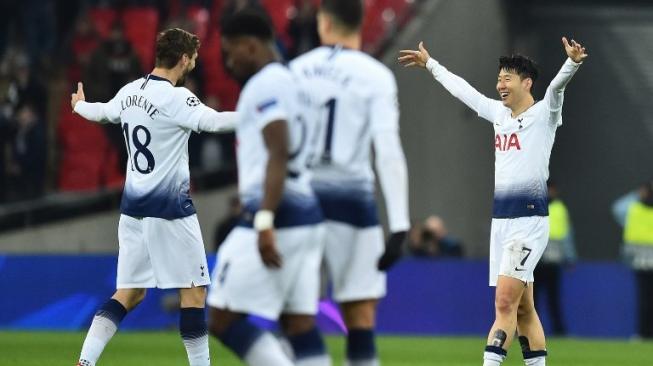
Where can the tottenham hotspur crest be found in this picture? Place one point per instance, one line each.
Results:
(193, 101)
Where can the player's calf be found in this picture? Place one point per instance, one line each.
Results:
(531, 357)
(104, 326)
(253, 345)
(305, 339)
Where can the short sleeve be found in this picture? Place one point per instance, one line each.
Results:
(188, 109)
(269, 100)
(384, 105)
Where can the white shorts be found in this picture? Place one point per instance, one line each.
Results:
(242, 283)
(351, 256)
(161, 253)
(516, 246)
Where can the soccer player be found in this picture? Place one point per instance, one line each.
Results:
(269, 264)
(356, 98)
(525, 130)
(158, 233)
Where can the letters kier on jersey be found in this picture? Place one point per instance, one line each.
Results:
(503, 142)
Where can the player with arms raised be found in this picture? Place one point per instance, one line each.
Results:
(525, 131)
(356, 97)
(158, 233)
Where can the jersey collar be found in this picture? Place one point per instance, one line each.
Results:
(158, 78)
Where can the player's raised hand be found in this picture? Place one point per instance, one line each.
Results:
(574, 50)
(268, 249)
(414, 57)
(77, 96)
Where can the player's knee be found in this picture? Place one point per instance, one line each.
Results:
(504, 304)
(297, 324)
(216, 325)
(525, 310)
(130, 298)
(360, 314)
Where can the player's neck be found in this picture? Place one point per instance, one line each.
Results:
(352, 41)
(523, 106)
(169, 74)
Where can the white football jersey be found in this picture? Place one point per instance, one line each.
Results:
(522, 144)
(357, 97)
(157, 119)
(270, 95)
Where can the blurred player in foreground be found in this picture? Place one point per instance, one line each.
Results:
(356, 98)
(525, 130)
(269, 264)
(158, 233)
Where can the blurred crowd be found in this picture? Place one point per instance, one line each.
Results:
(46, 46)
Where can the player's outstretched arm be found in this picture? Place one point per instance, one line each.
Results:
(554, 96)
(96, 112)
(457, 86)
(214, 121)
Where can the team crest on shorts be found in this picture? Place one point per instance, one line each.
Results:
(193, 101)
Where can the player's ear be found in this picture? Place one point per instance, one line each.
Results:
(528, 84)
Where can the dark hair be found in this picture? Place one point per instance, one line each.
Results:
(347, 12)
(248, 22)
(172, 44)
(520, 65)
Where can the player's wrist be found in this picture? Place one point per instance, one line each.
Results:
(263, 220)
(431, 64)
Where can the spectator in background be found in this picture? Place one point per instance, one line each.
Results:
(228, 222)
(635, 212)
(303, 28)
(431, 239)
(560, 251)
(23, 87)
(113, 64)
(27, 155)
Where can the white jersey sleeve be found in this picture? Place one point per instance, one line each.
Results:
(555, 93)
(485, 107)
(187, 110)
(101, 112)
(390, 161)
(269, 102)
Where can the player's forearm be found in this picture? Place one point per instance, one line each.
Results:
(455, 85)
(92, 111)
(213, 121)
(393, 176)
(275, 176)
(555, 91)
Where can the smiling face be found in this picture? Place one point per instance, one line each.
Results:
(513, 88)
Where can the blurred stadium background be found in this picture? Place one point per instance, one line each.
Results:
(61, 177)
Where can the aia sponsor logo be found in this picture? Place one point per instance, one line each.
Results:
(503, 142)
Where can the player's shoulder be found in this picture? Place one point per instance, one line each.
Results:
(274, 76)
(183, 95)
(375, 71)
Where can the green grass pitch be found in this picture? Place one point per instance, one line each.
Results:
(165, 348)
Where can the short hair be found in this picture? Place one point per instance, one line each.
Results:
(520, 65)
(248, 22)
(172, 44)
(348, 13)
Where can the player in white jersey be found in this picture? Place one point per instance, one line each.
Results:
(159, 235)
(269, 264)
(356, 99)
(525, 130)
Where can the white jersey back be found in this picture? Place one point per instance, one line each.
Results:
(270, 95)
(157, 119)
(358, 97)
